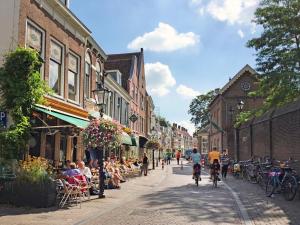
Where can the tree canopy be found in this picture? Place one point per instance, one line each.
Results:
(278, 51)
(21, 88)
(199, 108)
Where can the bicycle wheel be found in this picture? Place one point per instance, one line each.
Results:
(289, 188)
(215, 183)
(270, 187)
(197, 180)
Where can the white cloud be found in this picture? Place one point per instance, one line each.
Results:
(159, 78)
(164, 38)
(188, 125)
(187, 92)
(241, 33)
(230, 11)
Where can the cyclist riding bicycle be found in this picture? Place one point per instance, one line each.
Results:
(196, 157)
(215, 168)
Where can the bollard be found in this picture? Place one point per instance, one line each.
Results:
(181, 165)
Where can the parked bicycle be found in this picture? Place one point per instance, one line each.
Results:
(283, 180)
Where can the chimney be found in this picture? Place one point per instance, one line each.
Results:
(142, 50)
(68, 3)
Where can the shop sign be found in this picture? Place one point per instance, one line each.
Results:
(3, 119)
(133, 118)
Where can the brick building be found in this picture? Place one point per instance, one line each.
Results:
(73, 63)
(223, 109)
(131, 65)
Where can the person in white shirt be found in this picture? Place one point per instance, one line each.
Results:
(84, 170)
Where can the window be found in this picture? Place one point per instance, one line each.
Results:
(142, 101)
(73, 78)
(35, 39)
(87, 77)
(133, 89)
(98, 72)
(55, 68)
(111, 108)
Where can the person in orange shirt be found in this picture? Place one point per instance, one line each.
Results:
(213, 155)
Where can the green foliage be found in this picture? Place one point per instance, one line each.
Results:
(199, 108)
(243, 117)
(34, 170)
(21, 88)
(163, 122)
(278, 52)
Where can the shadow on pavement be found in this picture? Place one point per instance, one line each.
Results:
(264, 209)
(196, 204)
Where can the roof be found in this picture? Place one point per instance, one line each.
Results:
(233, 80)
(236, 77)
(126, 63)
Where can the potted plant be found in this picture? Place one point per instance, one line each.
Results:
(34, 185)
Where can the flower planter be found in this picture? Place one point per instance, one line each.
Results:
(37, 195)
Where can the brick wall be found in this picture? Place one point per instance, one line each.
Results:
(275, 134)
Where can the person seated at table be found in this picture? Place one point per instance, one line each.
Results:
(136, 163)
(85, 170)
(67, 166)
(73, 171)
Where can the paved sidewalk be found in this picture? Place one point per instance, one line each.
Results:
(265, 210)
(75, 215)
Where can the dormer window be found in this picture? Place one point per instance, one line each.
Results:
(117, 76)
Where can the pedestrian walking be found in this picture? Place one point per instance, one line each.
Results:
(225, 163)
(145, 164)
(178, 155)
(169, 155)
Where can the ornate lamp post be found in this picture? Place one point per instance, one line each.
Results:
(101, 96)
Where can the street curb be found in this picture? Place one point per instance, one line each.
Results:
(243, 211)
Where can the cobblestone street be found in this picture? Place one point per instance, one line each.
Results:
(169, 197)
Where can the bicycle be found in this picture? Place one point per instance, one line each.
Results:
(197, 172)
(282, 180)
(215, 176)
(263, 170)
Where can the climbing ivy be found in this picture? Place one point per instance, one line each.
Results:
(20, 88)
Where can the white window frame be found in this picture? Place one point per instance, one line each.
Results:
(78, 78)
(33, 24)
(87, 95)
(60, 95)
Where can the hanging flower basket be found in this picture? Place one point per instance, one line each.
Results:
(102, 133)
(152, 144)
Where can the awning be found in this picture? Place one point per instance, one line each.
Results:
(142, 141)
(125, 139)
(135, 141)
(81, 123)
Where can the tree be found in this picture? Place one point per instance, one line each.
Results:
(199, 108)
(278, 52)
(163, 122)
(21, 88)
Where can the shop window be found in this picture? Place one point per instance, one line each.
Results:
(63, 149)
(50, 147)
(73, 78)
(35, 144)
(56, 68)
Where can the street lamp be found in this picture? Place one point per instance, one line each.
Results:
(101, 96)
(240, 105)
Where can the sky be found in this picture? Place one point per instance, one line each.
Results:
(190, 46)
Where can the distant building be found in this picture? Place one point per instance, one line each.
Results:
(224, 108)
